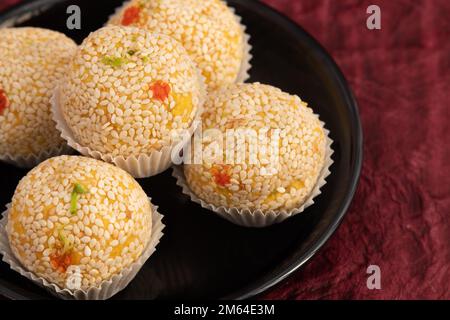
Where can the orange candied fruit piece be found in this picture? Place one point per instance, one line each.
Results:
(161, 90)
(221, 175)
(131, 15)
(129, 214)
(4, 102)
(61, 262)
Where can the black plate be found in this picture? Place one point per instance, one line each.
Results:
(202, 255)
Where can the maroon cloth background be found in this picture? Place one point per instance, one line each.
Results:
(399, 219)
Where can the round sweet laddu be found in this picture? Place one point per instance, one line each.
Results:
(32, 61)
(127, 89)
(261, 149)
(208, 29)
(78, 218)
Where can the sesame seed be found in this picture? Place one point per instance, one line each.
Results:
(281, 190)
(87, 251)
(64, 220)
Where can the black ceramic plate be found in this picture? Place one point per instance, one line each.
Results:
(202, 255)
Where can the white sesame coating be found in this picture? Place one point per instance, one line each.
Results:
(127, 89)
(108, 231)
(259, 183)
(32, 61)
(208, 29)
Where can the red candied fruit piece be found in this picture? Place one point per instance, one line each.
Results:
(131, 15)
(4, 102)
(221, 175)
(60, 263)
(161, 90)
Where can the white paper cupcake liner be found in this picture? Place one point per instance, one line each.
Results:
(107, 288)
(142, 166)
(33, 160)
(259, 218)
(244, 70)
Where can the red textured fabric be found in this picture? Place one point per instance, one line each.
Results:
(6, 3)
(399, 219)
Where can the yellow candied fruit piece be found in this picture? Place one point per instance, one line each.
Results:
(207, 75)
(318, 130)
(48, 210)
(297, 184)
(183, 106)
(76, 258)
(316, 144)
(224, 191)
(272, 197)
(117, 251)
(18, 227)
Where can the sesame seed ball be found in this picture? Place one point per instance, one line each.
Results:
(127, 89)
(32, 61)
(229, 177)
(74, 214)
(208, 29)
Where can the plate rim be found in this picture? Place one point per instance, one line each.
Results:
(253, 290)
(298, 31)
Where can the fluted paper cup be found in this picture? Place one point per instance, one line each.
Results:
(259, 218)
(107, 288)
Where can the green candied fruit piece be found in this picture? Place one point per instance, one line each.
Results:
(115, 62)
(73, 203)
(77, 190)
